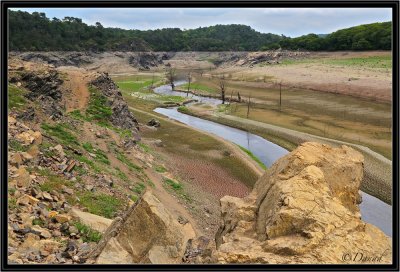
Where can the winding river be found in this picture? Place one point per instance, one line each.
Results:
(373, 210)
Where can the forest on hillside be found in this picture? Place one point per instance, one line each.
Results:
(36, 32)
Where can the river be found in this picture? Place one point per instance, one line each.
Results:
(373, 210)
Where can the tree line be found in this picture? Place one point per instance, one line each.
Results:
(36, 32)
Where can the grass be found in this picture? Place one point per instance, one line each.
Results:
(122, 158)
(12, 203)
(17, 146)
(197, 87)
(97, 109)
(384, 62)
(177, 187)
(16, 97)
(144, 147)
(367, 62)
(54, 182)
(101, 204)
(60, 131)
(89, 162)
(87, 233)
(160, 169)
(251, 155)
(137, 83)
(38, 222)
(183, 109)
(139, 188)
(121, 175)
(171, 98)
(100, 155)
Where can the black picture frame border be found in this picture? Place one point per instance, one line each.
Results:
(203, 3)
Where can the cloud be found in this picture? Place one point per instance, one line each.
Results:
(288, 21)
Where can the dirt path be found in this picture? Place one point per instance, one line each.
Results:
(76, 82)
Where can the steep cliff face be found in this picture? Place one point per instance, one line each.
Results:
(303, 210)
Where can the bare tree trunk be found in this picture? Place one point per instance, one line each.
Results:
(248, 106)
(152, 81)
(280, 96)
(222, 88)
(189, 81)
(239, 98)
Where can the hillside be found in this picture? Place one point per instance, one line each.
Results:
(36, 32)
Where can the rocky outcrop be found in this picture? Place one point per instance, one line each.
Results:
(44, 88)
(57, 59)
(147, 60)
(121, 116)
(148, 233)
(303, 210)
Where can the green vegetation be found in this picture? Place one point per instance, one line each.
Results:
(100, 155)
(160, 169)
(59, 131)
(17, 146)
(134, 198)
(16, 97)
(139, 188)
(101, 204)
(197, 87)
(183, 109)
(365, 62)
(369, 62)
(177, 187)
(144, 147)
(54, 182)
(38, 221)
(251, 155)
(121, 175)
(12, 203)
(174, 185)
(89, 162)
(376, 36)
(87, 233)
(122, 158)
(138, 83)
(97, 109)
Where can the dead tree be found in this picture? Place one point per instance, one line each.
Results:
(239, 97)
(280, 95)
(152, 81)
(222, 88)
(248, 106)
(171, 75)
(189, 79)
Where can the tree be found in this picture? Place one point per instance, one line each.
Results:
(171, 76)
(248, 107)
(189, 79)
(222, 89)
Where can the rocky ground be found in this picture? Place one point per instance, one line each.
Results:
(71, 169)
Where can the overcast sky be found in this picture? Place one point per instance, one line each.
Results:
(291, 22)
